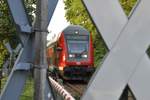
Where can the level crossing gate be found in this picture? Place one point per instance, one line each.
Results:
(127, 38)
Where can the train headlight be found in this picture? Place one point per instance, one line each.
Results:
(84, 56)
(71, 55)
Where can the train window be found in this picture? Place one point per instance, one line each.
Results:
(77, 46)
(77, 49)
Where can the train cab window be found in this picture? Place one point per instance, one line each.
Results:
(78, 47)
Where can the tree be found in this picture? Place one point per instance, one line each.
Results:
(77, 14)
(127, 5)
(6, 30)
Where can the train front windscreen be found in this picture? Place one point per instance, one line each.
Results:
(78, 47)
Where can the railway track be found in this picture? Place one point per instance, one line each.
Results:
(76, 89)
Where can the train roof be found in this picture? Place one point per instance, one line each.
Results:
(71, 29)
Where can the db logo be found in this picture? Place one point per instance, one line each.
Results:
(78, 63)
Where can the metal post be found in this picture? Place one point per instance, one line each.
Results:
(40, 45)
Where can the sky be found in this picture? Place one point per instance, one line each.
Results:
(58, 21)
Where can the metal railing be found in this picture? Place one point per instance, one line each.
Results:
(60, 91)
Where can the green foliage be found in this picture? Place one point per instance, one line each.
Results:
(6, 30)
(77, 14)
(30, 8)
(3, 54)
(28, 90)
(6, 26)
(127, 5)
(3, 81)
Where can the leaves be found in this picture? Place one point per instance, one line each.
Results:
(6, 30)
(127, 5)
(3, 54)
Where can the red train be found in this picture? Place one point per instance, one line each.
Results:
(73, 54)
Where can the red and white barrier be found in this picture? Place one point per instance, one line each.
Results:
(61, 90)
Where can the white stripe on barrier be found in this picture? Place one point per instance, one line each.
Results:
(61, 90)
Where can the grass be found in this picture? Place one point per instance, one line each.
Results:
(28, 90)
(3, 81)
